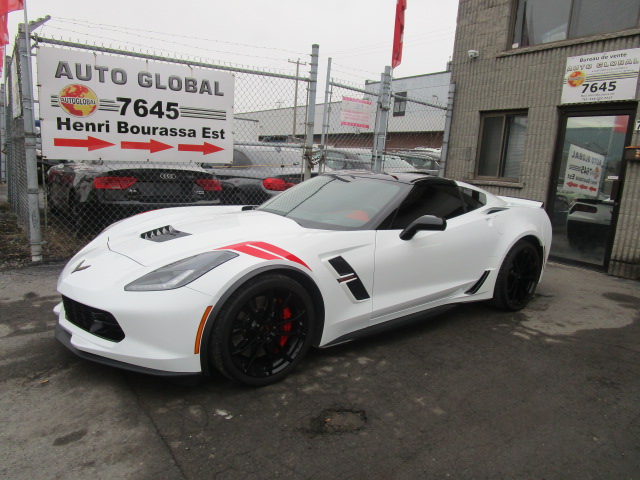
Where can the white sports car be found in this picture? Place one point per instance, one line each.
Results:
(247, 290)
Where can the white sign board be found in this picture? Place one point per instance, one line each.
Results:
(355, 113)
(601, 77)
(113, 108)
(584, 171)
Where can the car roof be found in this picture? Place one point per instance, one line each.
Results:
(402, 177)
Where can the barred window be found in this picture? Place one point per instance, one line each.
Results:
(502, 138)
(543, 21)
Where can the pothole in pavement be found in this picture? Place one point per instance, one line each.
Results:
(338, 421)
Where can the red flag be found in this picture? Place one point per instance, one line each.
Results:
(4, 31)
(396, 56)
(7, 6)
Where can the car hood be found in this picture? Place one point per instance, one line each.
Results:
(164, 236)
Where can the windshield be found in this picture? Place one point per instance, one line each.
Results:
(337, 202)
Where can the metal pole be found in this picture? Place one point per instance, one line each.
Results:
(382, 118)
(3, 134)
(29, 120)
(295, 102)
(311, 110)
(447, 130)
(325, 112)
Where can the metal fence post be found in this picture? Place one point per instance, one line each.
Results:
(325, 111)
(311, 110)
(382, 118)
(3, 135)
(28, 116)
(447, 130)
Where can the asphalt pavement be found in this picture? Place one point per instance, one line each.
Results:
(551, 392)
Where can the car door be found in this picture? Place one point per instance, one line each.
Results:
(433, 265)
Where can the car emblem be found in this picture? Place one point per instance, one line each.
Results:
(168, 176)
(80, 267)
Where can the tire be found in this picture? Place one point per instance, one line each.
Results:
(518, 277)
(263, 330)
(77, 215)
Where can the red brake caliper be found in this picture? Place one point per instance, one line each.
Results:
(286, 314)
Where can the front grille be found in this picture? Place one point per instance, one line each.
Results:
(98, 322)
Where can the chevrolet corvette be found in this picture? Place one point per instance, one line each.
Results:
(247, 290)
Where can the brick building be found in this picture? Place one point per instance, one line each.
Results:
(545, 108)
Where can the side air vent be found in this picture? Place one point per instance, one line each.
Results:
(163, 234)
(476, 286)
(350, 278)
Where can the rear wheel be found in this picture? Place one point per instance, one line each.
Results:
(263, 330)
(518, 277)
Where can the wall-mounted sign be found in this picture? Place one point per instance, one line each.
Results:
(355, 113)
(113, 108)
(601, 77)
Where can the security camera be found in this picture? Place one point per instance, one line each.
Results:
(473, 53)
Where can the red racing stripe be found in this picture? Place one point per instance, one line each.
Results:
(265, 251)
(281, 252)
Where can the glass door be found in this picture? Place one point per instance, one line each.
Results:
(588, 168)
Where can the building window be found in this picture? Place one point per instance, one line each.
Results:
(502, 138)
(399, 104)
(544, 21)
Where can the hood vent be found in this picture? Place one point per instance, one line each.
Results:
(163, 234)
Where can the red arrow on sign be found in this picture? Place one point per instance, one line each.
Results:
(583, 187)
(592, 189)
(91, 143)
(152, 145)
(571, 184)
(205, 148)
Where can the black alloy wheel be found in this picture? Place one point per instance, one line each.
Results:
(263, 330)
(518, 277)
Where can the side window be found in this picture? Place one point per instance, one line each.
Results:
(473, 199)
(442, 201)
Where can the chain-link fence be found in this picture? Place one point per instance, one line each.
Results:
(13, 152)
(280, 138)
(412, 129)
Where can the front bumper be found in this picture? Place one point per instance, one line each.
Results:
(159, 330)
(64, 337)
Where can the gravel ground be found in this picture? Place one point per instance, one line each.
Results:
(14, 246)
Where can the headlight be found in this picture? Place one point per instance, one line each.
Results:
(180, 273)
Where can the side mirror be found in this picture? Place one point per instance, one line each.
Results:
(426, 222)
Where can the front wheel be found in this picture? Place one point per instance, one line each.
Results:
(518, 277)
(263, 330)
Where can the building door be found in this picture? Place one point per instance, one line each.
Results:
(587, 180)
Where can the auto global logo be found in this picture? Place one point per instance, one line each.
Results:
(576, 78)
(78, 100)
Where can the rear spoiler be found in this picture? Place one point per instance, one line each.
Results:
(521, 202)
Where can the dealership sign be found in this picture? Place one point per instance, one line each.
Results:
(114, 108)
(601, 77)
(355, 113)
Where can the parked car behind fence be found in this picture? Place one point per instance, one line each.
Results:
(93, 194)
(259, 172)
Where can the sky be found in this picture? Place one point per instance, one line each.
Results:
(356, 34)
